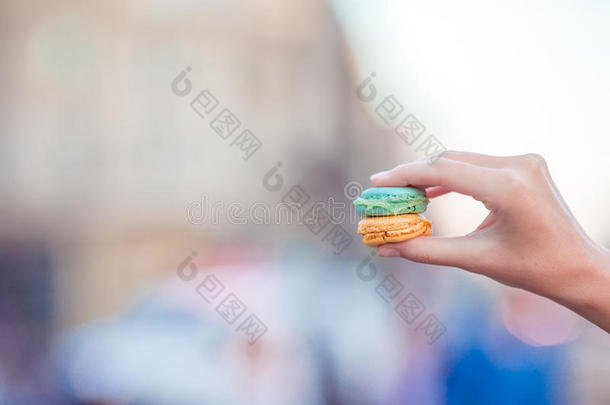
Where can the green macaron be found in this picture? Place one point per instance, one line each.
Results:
(379, 201)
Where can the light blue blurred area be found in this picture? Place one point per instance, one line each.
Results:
(331, 335)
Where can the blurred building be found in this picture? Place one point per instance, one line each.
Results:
(100, 153)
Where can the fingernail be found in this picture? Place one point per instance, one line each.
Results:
(387, 252)
(378, 176)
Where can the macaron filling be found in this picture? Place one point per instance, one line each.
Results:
(377, 207)
(380, 201)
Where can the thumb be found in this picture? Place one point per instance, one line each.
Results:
(455, 251)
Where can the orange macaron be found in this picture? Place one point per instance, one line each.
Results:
(393, 228)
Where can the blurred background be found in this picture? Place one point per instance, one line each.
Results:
(134, 268)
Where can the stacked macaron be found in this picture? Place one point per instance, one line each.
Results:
(391, 214)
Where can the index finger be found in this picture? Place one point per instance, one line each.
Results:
(464, 178)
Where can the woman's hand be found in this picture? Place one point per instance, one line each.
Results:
(530, 239)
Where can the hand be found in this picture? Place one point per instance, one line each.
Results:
(530, 239)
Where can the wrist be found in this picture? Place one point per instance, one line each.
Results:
(588, 292)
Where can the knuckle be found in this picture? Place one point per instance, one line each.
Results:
(401, 171)
(438, 169)
(533, 163)
(440, 164)
(512, 182)
(422, 257)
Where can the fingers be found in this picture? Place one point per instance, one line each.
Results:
(452, 175)
(456, 251)
(478, 159)
(436, 191)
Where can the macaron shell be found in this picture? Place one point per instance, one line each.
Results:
(378, 230)
(396, 193)
(380, 208)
